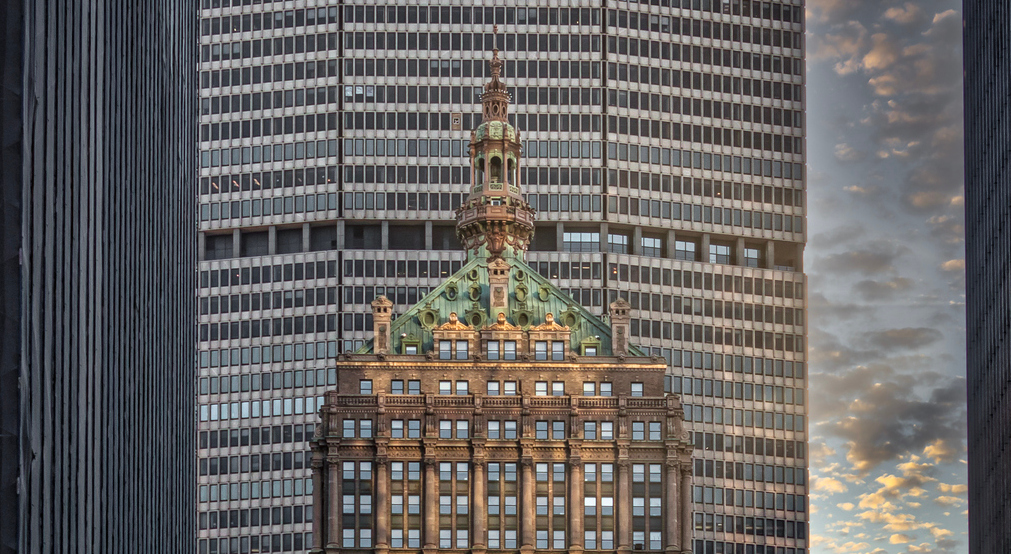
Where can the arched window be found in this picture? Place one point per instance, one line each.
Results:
(496, 170)
(511, 174)
(480, 171)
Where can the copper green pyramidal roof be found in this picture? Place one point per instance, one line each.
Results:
(466, 293)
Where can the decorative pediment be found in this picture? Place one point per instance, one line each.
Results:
(549, 324)
(454, 324)
(502, 325)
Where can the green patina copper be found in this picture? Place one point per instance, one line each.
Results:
(531, 297)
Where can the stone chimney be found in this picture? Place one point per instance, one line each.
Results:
(620, 326)
(381, 316)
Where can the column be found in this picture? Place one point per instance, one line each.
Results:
(478, 509)
(201, 245)
(770, 254)
(317, 502)
(624, 508)
(333, 510)
(528, 520)
(559, 236)
(306, 238)
(428, 236)
(236, 243)
(671, 241)
(739, 251)
(430, 506)
(670, 511)
(686, 510)
(385, 238)
(703, 254)
(382, 506)
(575, 505)
(636, 246)
(604, 231)
(272, 240)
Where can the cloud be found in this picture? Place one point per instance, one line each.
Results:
(882, 54)
(828, 485)
(904, 338)
(846, 153)
(881, 290)
(899, 538)
(954, 265)
(871, 258)
(905, 14)
(940, 451)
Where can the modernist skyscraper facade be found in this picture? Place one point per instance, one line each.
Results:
(98, 261)
(988, 293)
(494, 429)
(663, 152)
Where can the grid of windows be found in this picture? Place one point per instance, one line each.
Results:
(697, 110)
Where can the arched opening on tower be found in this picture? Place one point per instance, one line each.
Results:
(479, 172)
(511, 173)
(496, 170)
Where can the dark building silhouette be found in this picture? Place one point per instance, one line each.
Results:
(97, 254)
(987, 43)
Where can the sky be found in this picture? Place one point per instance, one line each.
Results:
(886, 268)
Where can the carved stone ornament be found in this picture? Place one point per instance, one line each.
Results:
(502, 325)
(549, 324)
(454, 324)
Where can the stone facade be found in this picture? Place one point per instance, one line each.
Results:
(478, 420)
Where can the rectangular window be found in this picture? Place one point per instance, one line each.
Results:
(605, 389)
(751, 257)
(558, 430)
(541, 388)
(461, 350)
(636, 389)
(557, 388)
(494, 429)
(365, 428)
(365, 386)
(541, 430)
(445, 387)
(349, 429)
(445, 429)
(510, 430)
(590, 430)
(557, 350)
(462, 388)
(414, 429)
(590, 351)
(397, 428)
(445, 350)
(654, 430)
(509, 350)
(541, 350)
(606, 430)
(589, 389)
(684, 250)
(462, 429)
(414, 387)
(493, 350)
(509, 388)
(493, 388)
(719, 254)
(638, 430)
(397, 386)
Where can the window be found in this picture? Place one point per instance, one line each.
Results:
(590, 430)
(557, 388)
(397, 386)
(509, 388)
(719, 254)
(349, 429)
(652, 246)
(494, 429)
(751, 257)
(617, 243)
(557, 350)
(541, 388)
(410, 349)
(589, 389)
(414, 429)
(541, 430)
(684, 250)
(365, 428)
(461, 350)
(590, 351)
(445, 387)
(462, 429)
(397, 428)
(636, 389)
(445, 350)
(606, 430)
(510, 430)
(638, 430)
(493, 388)
(365, 386)
(509, 350)
(605, 389)
(581, 242)
(654, 430)
(445, 429)
(462, 388)
(493, 350)
(414, 387)
(558, 430)
(541, 350)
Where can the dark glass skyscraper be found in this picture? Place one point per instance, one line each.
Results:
(97, 254)
(987, 62)
(663, 148)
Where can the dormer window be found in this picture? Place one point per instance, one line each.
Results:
(501, 350)
(493, 350)
(509, 350)
(461, 350)
(590, 351)
(557, 350)
(541, 350)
